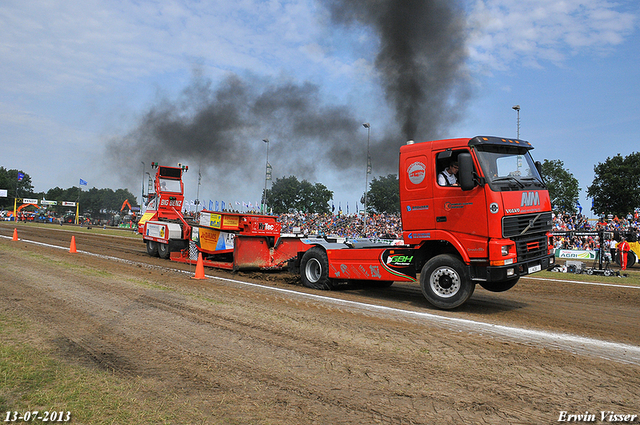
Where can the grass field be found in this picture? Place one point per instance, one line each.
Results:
(32, 379)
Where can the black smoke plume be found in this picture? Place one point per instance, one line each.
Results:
(421, 59)
(421, 66)
(221, 131)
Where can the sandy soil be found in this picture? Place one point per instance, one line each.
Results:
(260, 348)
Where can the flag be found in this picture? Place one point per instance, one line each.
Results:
(333, 207)
(579, 206)
(347, 207)
(216, 206)
(20, 176)
(221, 205)
(83, 182)
(210, 205)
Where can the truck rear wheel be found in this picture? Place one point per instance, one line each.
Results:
(445, 282)
(314, 269)
(501, 286)
(163, 250)
(152, 248)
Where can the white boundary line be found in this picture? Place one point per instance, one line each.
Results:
(621, 352)
(583, 282)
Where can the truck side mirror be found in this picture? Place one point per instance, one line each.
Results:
(539, 168)
(465, 171)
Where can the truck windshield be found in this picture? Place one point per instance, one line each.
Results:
(167, 185)
(508, 168)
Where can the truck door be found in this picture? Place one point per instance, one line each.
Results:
(462, 213)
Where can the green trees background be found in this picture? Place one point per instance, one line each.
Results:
(616, 186)
(562, 185)
(96, 202)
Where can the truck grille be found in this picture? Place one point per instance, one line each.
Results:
(527, 224)
(531, 248)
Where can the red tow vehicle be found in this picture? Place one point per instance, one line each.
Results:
(490, 230)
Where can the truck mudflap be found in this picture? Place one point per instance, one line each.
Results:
(502, 273)
(375, 263)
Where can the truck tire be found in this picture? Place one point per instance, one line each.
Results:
(163, 250)
(314, 269)
(500, 286)
(631, 258)
(445, 282)
(152, 248)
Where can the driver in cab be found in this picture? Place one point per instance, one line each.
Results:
(447, 177)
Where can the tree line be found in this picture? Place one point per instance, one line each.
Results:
(99, 203)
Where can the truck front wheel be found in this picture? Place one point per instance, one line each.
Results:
(445, 282)
(314, 269)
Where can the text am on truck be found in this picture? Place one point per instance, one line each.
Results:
(491, 229)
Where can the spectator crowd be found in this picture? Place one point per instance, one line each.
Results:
(564, 222)
(389, 226)
(383, 226)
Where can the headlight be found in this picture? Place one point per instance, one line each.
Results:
(505, 250)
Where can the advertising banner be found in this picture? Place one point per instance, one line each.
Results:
(210, 240)
(576, 254)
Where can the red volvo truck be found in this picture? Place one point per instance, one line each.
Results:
(490, 229)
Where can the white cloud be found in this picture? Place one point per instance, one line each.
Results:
(48, 46)
(504, 33)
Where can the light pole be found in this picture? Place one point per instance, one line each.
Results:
(198, 191)
(366, 177)
(267, 176)
(517, 109)
(142, 199)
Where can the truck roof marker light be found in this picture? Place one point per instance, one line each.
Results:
(410, 142)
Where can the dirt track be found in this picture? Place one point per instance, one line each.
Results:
(271, 351)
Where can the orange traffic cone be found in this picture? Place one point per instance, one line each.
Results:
(72, 248)
(199, 268)
(15, 234)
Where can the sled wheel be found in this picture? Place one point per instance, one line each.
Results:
(163, 250)
(152, 248)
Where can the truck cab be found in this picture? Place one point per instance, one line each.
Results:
(495, 223)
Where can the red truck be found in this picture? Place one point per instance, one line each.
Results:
(490, 229)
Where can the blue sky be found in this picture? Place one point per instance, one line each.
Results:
(79, 77)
